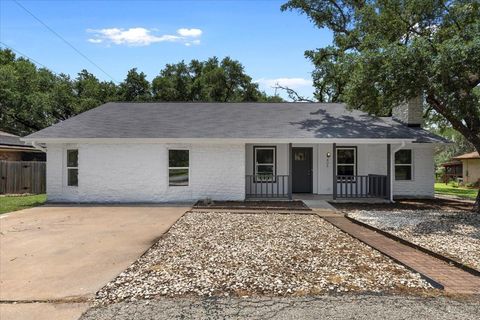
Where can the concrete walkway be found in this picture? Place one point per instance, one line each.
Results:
(59, 256)
(453, 279)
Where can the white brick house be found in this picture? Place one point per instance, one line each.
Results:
(168, 152)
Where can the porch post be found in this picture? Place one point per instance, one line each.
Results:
(389, 171)
(334, 165)
(290, 170)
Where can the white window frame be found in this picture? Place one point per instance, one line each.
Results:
(70, 168)
(404, 165)
(354, 164)
(273, 164)
(168, 166)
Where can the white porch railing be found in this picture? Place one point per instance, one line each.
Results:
(262, 186)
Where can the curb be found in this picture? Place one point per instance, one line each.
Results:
(417, 247)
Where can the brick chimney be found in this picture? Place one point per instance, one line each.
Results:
(409, 113)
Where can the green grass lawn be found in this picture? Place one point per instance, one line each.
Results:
(14, 203)
(449, 189)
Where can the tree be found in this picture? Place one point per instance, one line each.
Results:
(91, 92)
(387, 51)
(33, 98)
(210, 80)
(135, 87)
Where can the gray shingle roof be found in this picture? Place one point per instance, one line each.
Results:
(230, 120)
(8, 139)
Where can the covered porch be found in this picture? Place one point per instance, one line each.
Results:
(327, 171)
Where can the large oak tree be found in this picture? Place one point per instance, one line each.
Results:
(387, 51)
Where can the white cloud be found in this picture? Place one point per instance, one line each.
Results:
(142, 37)
(189, 32)
(292, 83)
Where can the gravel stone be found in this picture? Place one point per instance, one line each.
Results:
(223, 254)
(455, 234)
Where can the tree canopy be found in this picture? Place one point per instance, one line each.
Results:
(33, 98)
(387, 51)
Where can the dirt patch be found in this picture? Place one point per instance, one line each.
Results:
(254, 205)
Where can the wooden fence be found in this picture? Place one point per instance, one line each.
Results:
(18, 177)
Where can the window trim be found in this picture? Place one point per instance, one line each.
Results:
(168, 166)
(255, 164)
(404, 165)
(67, 168)
(355, 159)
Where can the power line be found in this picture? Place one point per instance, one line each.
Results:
(24, 55)
(64, 40)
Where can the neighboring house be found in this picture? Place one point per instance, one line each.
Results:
(159, 152)
(453, 170)
(13, 149)
(471, 167)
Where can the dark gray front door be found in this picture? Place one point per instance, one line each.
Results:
(302, 170)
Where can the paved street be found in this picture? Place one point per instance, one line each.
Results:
(328, 307)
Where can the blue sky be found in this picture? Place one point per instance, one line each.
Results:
(120, 35)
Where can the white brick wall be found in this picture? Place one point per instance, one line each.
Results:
(139, 173)
(422, 184)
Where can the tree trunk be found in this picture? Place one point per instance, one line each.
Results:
(476, 206)
(471, 134)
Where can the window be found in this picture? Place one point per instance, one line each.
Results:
(346, 161)
(264, 163)
(178, 167)
(72, 168)
(403, 165)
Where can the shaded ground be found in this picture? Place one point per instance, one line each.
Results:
(19, 202)
(411, 204)
(361, 307)
(253, 205)
(224, 254)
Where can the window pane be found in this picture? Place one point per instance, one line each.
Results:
(178, 158)
(346, 170)
(346, 156)
(403, 157)
(264, 169)
(178, 177)
(72, 177)
(403, 172)
(264, 155)
(299, 156)
(72, 158)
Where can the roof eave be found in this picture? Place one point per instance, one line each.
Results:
(218, 140)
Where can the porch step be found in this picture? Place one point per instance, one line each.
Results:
(318, 204)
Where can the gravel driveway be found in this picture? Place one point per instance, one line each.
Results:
(455, 234)
(360, 307)
(223, 254)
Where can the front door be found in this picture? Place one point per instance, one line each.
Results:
(302, 170)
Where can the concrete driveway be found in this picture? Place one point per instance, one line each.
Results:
(53, 255)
